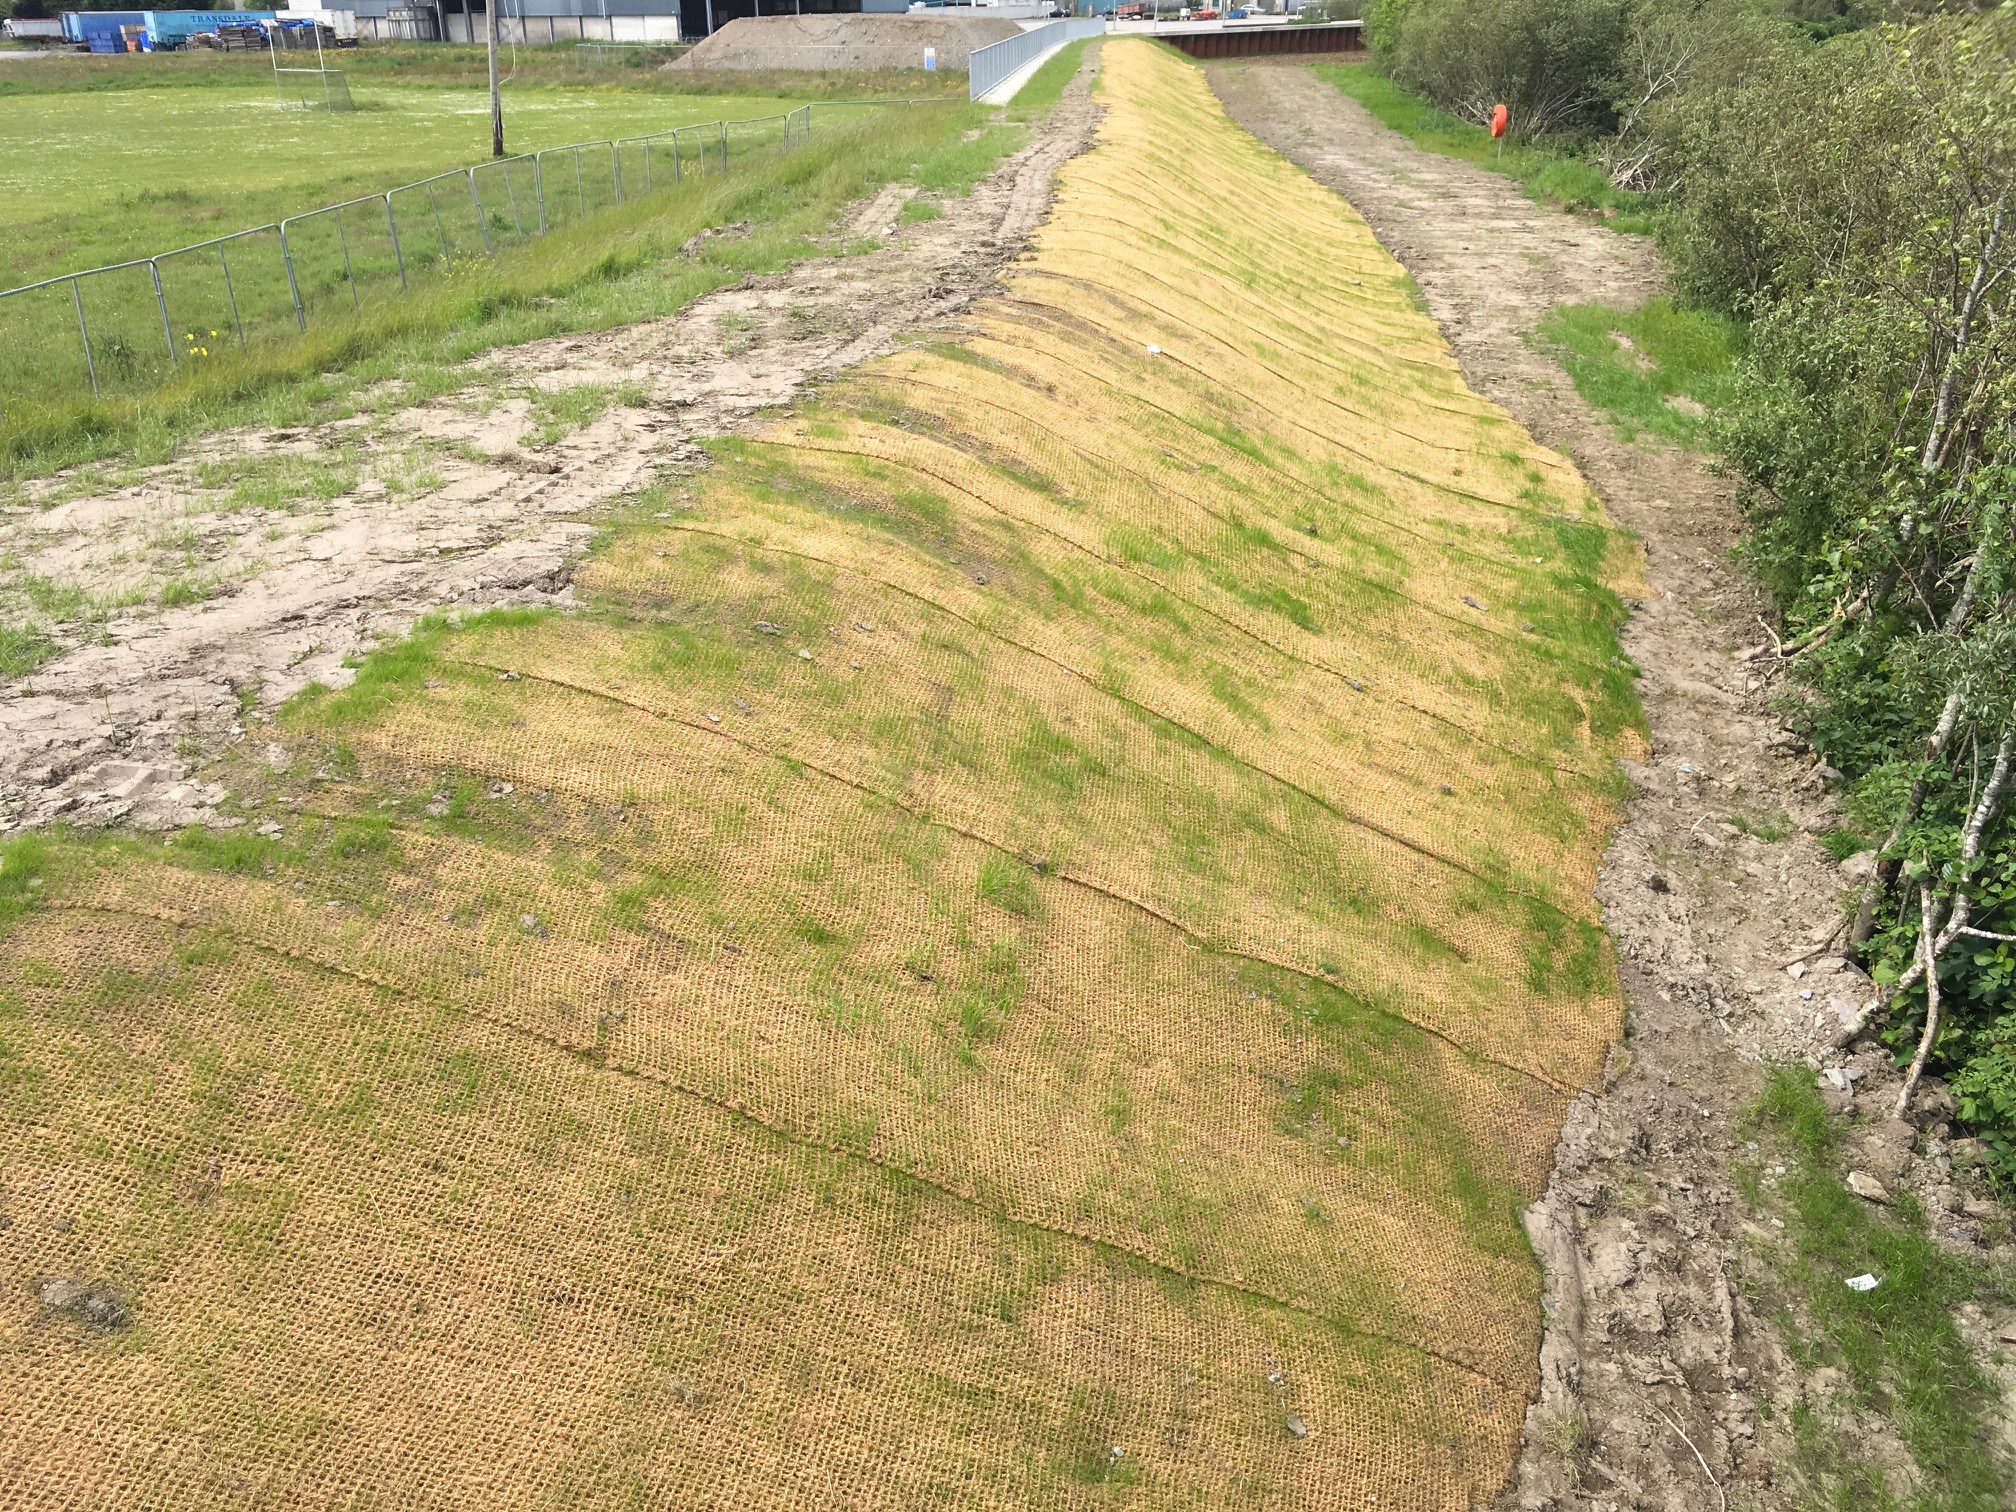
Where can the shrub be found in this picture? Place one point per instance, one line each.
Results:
(1552, 63)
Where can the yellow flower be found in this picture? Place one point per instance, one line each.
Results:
(213, 333)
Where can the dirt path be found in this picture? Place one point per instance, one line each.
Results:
(1650, 1332)
(199, 594)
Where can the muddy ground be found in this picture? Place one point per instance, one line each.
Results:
(202, 593)
(1721, 903)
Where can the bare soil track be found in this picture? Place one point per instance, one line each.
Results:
(1650, 1335)
(269, 601)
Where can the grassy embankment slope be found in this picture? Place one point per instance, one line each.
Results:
(1034, 934)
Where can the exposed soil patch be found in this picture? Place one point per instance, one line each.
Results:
(199, 594)
(1719, 899)
(845, 42)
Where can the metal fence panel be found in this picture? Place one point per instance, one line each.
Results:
(130, 327)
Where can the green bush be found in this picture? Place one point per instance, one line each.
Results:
(1857, 200)
(1552, 63)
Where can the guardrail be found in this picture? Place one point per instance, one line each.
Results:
(264, 280)
(990, 65)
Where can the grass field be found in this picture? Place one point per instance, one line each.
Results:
(617, 264)
(1025, 948)
(97, 176)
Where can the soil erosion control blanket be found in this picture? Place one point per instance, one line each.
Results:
(1024, 950)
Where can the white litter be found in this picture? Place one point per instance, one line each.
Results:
(1863, 1282)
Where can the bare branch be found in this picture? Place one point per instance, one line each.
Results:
(1931, 975)
(1942, 404)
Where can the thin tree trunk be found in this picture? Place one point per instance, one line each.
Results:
(1942, 406)
(1933, 943)
(1884, 877)
(1931, 968)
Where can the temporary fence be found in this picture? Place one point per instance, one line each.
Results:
(988, 66)
(133, 325)
(625, 54)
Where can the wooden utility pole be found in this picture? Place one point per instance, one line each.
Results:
(496, 96)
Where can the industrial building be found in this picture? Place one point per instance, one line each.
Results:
(582, 20)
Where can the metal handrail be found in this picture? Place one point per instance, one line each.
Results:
(987, 67)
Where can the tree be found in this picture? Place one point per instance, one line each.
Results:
(1858, 199)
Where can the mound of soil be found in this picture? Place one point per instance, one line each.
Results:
(844, 42)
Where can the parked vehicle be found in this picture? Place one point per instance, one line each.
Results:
(30, 29)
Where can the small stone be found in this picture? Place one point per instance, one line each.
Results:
(1859, 867)
(269, 829)
(1445, 790)
(803, 654)
(1867, 1187)
(88, 1302)
(1658, 884)
(767, 627)
(1796, 970)
(1354, 685)
(1154, 350)
(980, 578)
(1296, 1427)
(509, 676)
(711, 717)
(531, 925)
(743, 708)
(1475, 604)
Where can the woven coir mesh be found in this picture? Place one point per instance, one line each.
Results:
(1223, 557)
(1024, 947)
(1042, 766)
(1068, 1057)
(1177, 640)
(1234, 699)
(1385, 527)
(348, 1248)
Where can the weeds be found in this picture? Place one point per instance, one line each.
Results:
(1660, 370)
(23, 648)
(1898, 1345)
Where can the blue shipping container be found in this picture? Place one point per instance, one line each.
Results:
(86, 26)
(173, 28)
